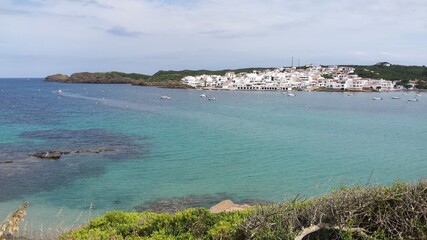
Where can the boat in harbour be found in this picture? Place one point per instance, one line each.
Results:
(165, 97)
(211, 98)
(377, 98)
(395, 97)
(413, 100)
(291, 95)
(203, 95)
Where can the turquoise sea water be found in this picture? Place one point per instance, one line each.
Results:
(245, 145)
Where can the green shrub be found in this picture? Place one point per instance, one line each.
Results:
(189, 224)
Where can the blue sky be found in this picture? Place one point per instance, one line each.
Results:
(42, 37)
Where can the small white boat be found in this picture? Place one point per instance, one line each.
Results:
(165, 97)
(291, 95)
(396, 97)
(58, 91)
(413, 100)
(377, 98)
(203, 95)
(418, 95)
(211, 98)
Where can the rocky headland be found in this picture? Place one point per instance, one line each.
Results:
(115, 78)
(87, 77)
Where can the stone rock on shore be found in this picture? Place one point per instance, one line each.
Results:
(228, 206)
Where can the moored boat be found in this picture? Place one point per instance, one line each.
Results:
(165, 97)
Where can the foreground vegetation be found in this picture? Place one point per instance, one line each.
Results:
(395, 212)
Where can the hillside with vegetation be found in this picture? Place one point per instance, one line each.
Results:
(401, 73)
(376, 212)
(178, 75)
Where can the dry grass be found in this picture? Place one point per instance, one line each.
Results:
(10, 227)
(396, 212)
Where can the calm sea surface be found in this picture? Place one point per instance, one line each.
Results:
(245, 145)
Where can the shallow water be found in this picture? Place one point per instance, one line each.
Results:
(246, 145)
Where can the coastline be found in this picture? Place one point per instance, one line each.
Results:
(116, 78)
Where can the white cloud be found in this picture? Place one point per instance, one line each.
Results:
(145, 36)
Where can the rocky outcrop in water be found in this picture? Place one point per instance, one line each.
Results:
(50, 154)
(57, 154)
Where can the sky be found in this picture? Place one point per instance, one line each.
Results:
(43, 37)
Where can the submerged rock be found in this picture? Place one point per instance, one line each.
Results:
(172, 205)
(5, 162)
